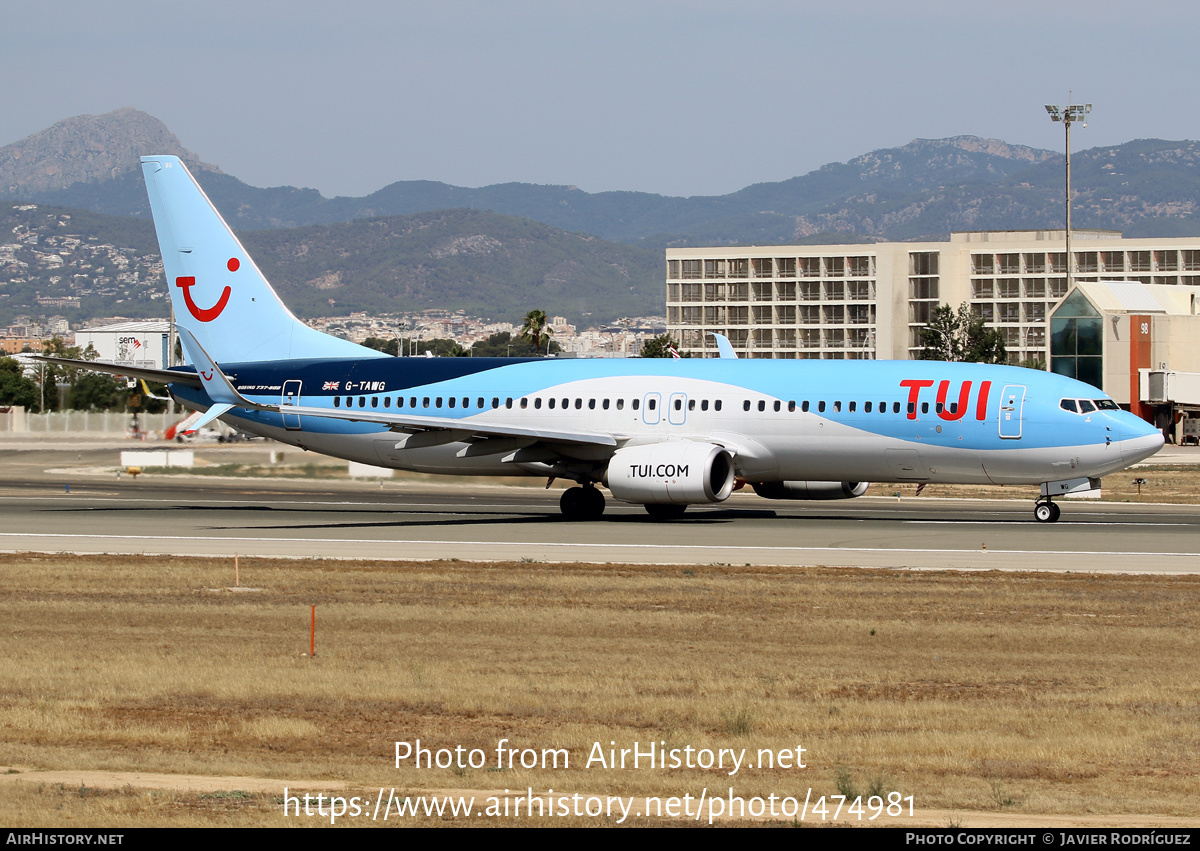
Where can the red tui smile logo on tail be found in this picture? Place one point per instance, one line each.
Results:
(204, 314)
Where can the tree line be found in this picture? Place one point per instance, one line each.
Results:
(54, 387)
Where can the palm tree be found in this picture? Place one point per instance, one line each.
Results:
(536, 328)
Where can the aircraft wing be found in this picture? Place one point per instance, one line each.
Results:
(479, 428)
(162, 376)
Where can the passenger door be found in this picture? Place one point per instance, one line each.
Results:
(1012, 407)
(291, 396)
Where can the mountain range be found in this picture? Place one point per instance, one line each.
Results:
(924, 189)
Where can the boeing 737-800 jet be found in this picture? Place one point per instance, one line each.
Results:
(661, 433)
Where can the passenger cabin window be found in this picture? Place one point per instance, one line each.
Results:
(746, 405)
(635, 403)
(374, 401)
(821, 407)
(537, 403)
(895, 407)
(791, 406)
(704, 404)
(387, 401)
(762, 405)
(620, 404)
(717, 405)
(804, 406)
(337, 401)
(866, 407)
(837, 407)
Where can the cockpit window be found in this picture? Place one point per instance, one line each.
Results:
(1087, 406)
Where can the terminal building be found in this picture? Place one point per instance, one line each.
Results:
(1140, 342)
(871, 301)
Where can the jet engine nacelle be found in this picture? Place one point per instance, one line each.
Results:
(811, 490)
(676, 473)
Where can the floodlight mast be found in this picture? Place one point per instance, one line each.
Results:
(1068, 115)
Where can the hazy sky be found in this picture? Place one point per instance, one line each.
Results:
(681, 98)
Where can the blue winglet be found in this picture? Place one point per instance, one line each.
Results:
(725, 348)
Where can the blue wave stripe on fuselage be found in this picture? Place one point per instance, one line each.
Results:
(730, 380)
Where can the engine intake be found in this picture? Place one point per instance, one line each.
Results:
(676, 473)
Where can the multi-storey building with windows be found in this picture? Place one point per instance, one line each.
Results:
(871, 301)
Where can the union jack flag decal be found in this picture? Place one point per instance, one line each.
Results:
(330, 385)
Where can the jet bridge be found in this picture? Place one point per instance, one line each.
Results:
(1174, 397)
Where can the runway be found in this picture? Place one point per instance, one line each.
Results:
(449, 519)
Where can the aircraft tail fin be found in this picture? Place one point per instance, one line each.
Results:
(218, 292)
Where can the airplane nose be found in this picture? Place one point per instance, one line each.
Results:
(1139, 439)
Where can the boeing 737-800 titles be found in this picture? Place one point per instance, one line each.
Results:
(661, 433)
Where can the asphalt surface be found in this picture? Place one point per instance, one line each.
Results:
(53, 498)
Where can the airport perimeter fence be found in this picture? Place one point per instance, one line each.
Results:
(16, 420)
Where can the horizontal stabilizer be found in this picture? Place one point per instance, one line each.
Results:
(162, 376)
(209, 415)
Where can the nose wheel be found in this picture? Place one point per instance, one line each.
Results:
(1046, 511)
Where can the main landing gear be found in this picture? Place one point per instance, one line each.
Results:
(665, 511)
(582, 503)
(1045, 511)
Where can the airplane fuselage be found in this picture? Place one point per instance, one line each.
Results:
(883, 421)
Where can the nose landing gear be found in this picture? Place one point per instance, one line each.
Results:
(1045, 511)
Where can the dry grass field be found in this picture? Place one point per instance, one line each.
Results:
(981, 695)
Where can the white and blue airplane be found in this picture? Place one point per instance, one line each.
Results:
(661, 433)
